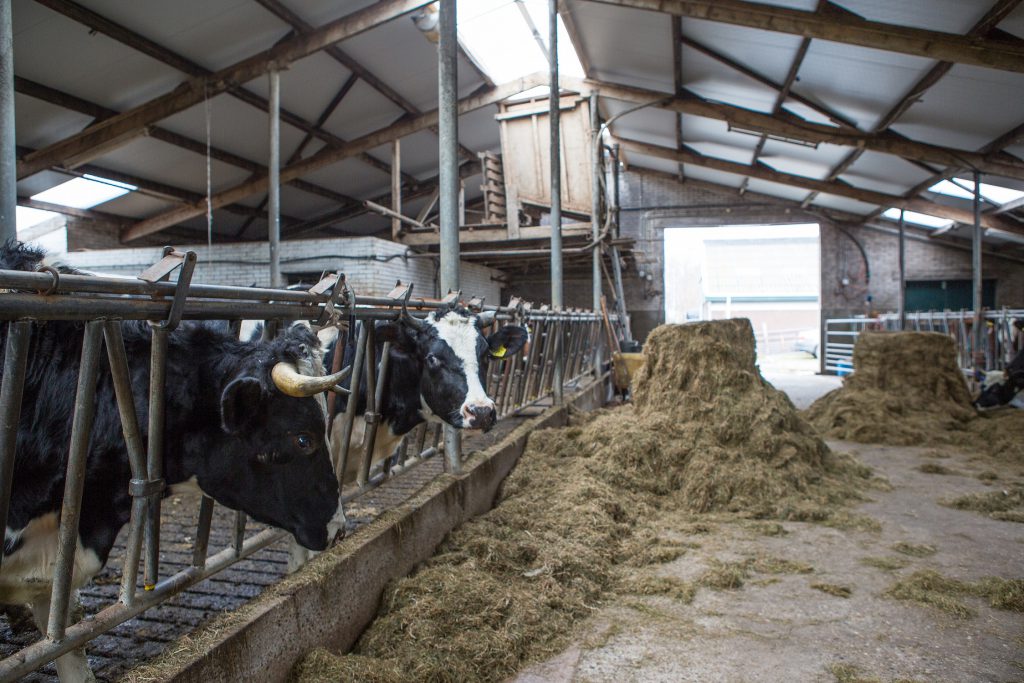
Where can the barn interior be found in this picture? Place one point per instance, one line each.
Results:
(827, 170)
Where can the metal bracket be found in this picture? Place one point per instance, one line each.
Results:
(145, 488)
(371, 418)
(476, 303)
(330, 283)
(161, 270)
(55, 274)
(451, 297)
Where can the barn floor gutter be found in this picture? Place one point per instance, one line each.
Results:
(332, 601)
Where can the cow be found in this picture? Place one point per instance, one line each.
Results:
(245, 424)
(1002, 386)
(436, 373)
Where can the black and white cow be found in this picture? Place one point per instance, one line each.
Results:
(436, 373)
(242, 425)
(1002, 386)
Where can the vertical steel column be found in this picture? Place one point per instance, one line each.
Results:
(448, 181)
(8, 153)
(902, 303)
(348, 419)
(274, 180)
(155, 459)
(556, 194)
(595, 202)
(620, 296)
(979, 329)
(615, 186)
(15, 360)
(74, 481)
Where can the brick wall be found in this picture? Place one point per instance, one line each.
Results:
(371, 265)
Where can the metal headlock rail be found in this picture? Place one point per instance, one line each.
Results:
(1001, 340)
(102, 302)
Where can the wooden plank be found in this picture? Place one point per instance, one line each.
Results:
(841, 26)
(499, 234)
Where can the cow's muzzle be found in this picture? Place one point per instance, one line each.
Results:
(480, 417)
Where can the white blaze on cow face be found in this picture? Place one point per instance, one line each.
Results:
(463, 337)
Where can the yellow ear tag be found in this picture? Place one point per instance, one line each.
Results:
(499, 352)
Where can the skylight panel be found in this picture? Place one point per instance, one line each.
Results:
(25, 217)
(965, 190)
(85, 192)
(918, 218)
(497, 35)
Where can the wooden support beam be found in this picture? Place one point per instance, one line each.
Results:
(331, 155)
(789, 127)
(762, 172)
(841, 26)
(82, 214)
(195, 90)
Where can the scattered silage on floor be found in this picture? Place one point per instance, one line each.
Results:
(580, 513)
(908, 390)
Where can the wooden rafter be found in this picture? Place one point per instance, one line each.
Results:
(95, 137)
(762, 172)
(332, 155)
(839, 25)
(793, 128)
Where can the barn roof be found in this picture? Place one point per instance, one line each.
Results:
(811, 112)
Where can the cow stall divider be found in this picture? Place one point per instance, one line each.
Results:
(515, 383)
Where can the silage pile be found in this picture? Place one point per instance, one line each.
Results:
(706, 434)
(908, 390)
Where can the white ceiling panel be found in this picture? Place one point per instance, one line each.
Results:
(714, 81)
(352, 177)
(794, 194)
(177, 167)
(769, 54)
(363, 111)
(712, 176)
(831, 201)
(40, 123)
(948, 16)
(884, 173)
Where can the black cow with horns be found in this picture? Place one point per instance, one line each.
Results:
(245, 424)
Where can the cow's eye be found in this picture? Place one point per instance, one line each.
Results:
(433, 362)
(304, 442)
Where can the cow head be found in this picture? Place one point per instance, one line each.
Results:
(999, 389)
(271, 458)
(450, 354)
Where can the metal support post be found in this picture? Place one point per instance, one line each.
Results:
(902, 302)
(155, 459)
(448, 181)
(595, 202)
(15, 361)
(615, 186)
(74, 481)
(274, 180)
(557, 301)
(8, 152)
(348, 419)
(979, 329)
(396, 189)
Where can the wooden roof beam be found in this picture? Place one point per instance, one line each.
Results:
(195, 90)
(763, 172)
(789, 127)
(332, 155)
(839, 25)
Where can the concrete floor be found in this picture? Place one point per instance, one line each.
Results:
(803, 389)
(778, 628)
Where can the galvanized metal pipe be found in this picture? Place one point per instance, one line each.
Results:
(155, 457)
(274, 179)
(976, 274)
(200, 549)
(15, 361)
(348, 419)
(8, 149)
(595, 201)
(74, 481)
(615, 189)
(556, 191)
(902, 302)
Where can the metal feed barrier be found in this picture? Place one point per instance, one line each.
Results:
(1000, 344)
(101, 302)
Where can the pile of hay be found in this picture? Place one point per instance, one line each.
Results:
(908, 390)
(706, 433)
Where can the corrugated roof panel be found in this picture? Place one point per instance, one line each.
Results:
(949, 16)
(214, 34)
(60, 53)
(769, 54)
(176, 167)
(352, 177)
(830, 201)
(307, 86)
(235, 127)
(967, 109)
(137, 205)
(884, 173)
(626, 45)
(653, 163)
(656, 126)
(479, 131)
(857, 82)
(40, 123)
(794, 194)
(729, 180)
(715, 81)
(410, 70)
(1014, 24)
(363, 111)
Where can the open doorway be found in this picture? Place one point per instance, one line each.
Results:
(767, 273)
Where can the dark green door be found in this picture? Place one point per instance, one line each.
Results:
(939, 295)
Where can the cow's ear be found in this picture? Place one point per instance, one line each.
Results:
(507, 341)
(239, 404)
(397, 334)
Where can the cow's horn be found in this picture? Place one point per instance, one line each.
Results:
(486, 318)
(293, 383)
(407, 317)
